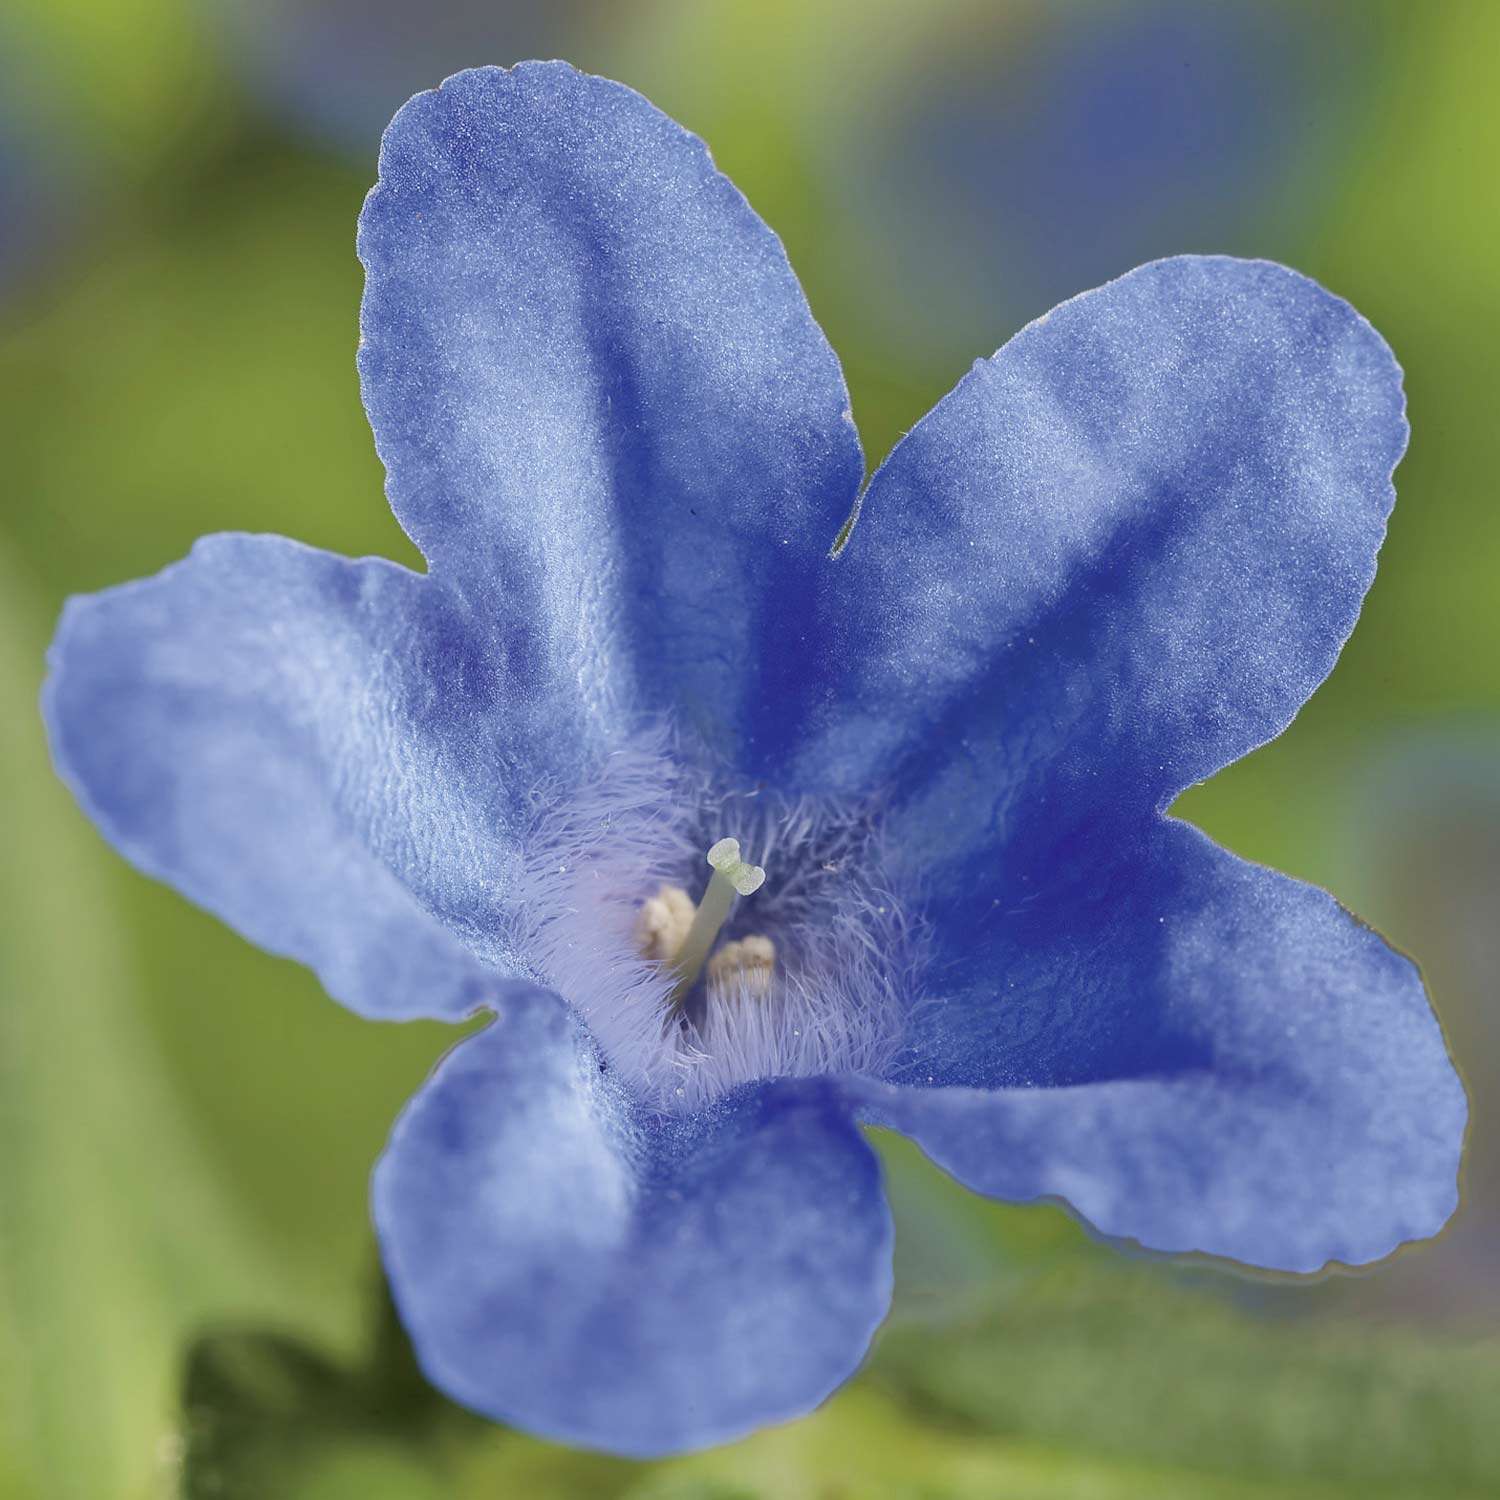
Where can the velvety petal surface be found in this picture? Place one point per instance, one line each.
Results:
(606, 413)
(1195, 1052)
(569, 1264)
(317, 750)
(1120, 554)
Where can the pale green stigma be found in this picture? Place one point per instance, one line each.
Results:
(732, 877)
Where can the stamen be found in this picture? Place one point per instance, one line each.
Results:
(732, 876)
(743, 967)
(662, 923)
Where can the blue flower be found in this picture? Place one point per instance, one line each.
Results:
(636, 1211)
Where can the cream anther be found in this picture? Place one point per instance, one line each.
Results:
(662, 923)
(743, 967)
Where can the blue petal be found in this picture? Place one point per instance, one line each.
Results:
(1118, 556)
(1193, 1051)
(568, 1263)
(603, 405)
(311, 748)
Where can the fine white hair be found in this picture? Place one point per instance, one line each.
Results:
(846, 974)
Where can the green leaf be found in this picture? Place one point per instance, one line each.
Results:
(865, 1444)
(1127, 1363)
(265, 1415)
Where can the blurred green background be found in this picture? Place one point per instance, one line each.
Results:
(189, 1299)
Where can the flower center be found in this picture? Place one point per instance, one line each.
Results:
(685, 1000)
(671, 931)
